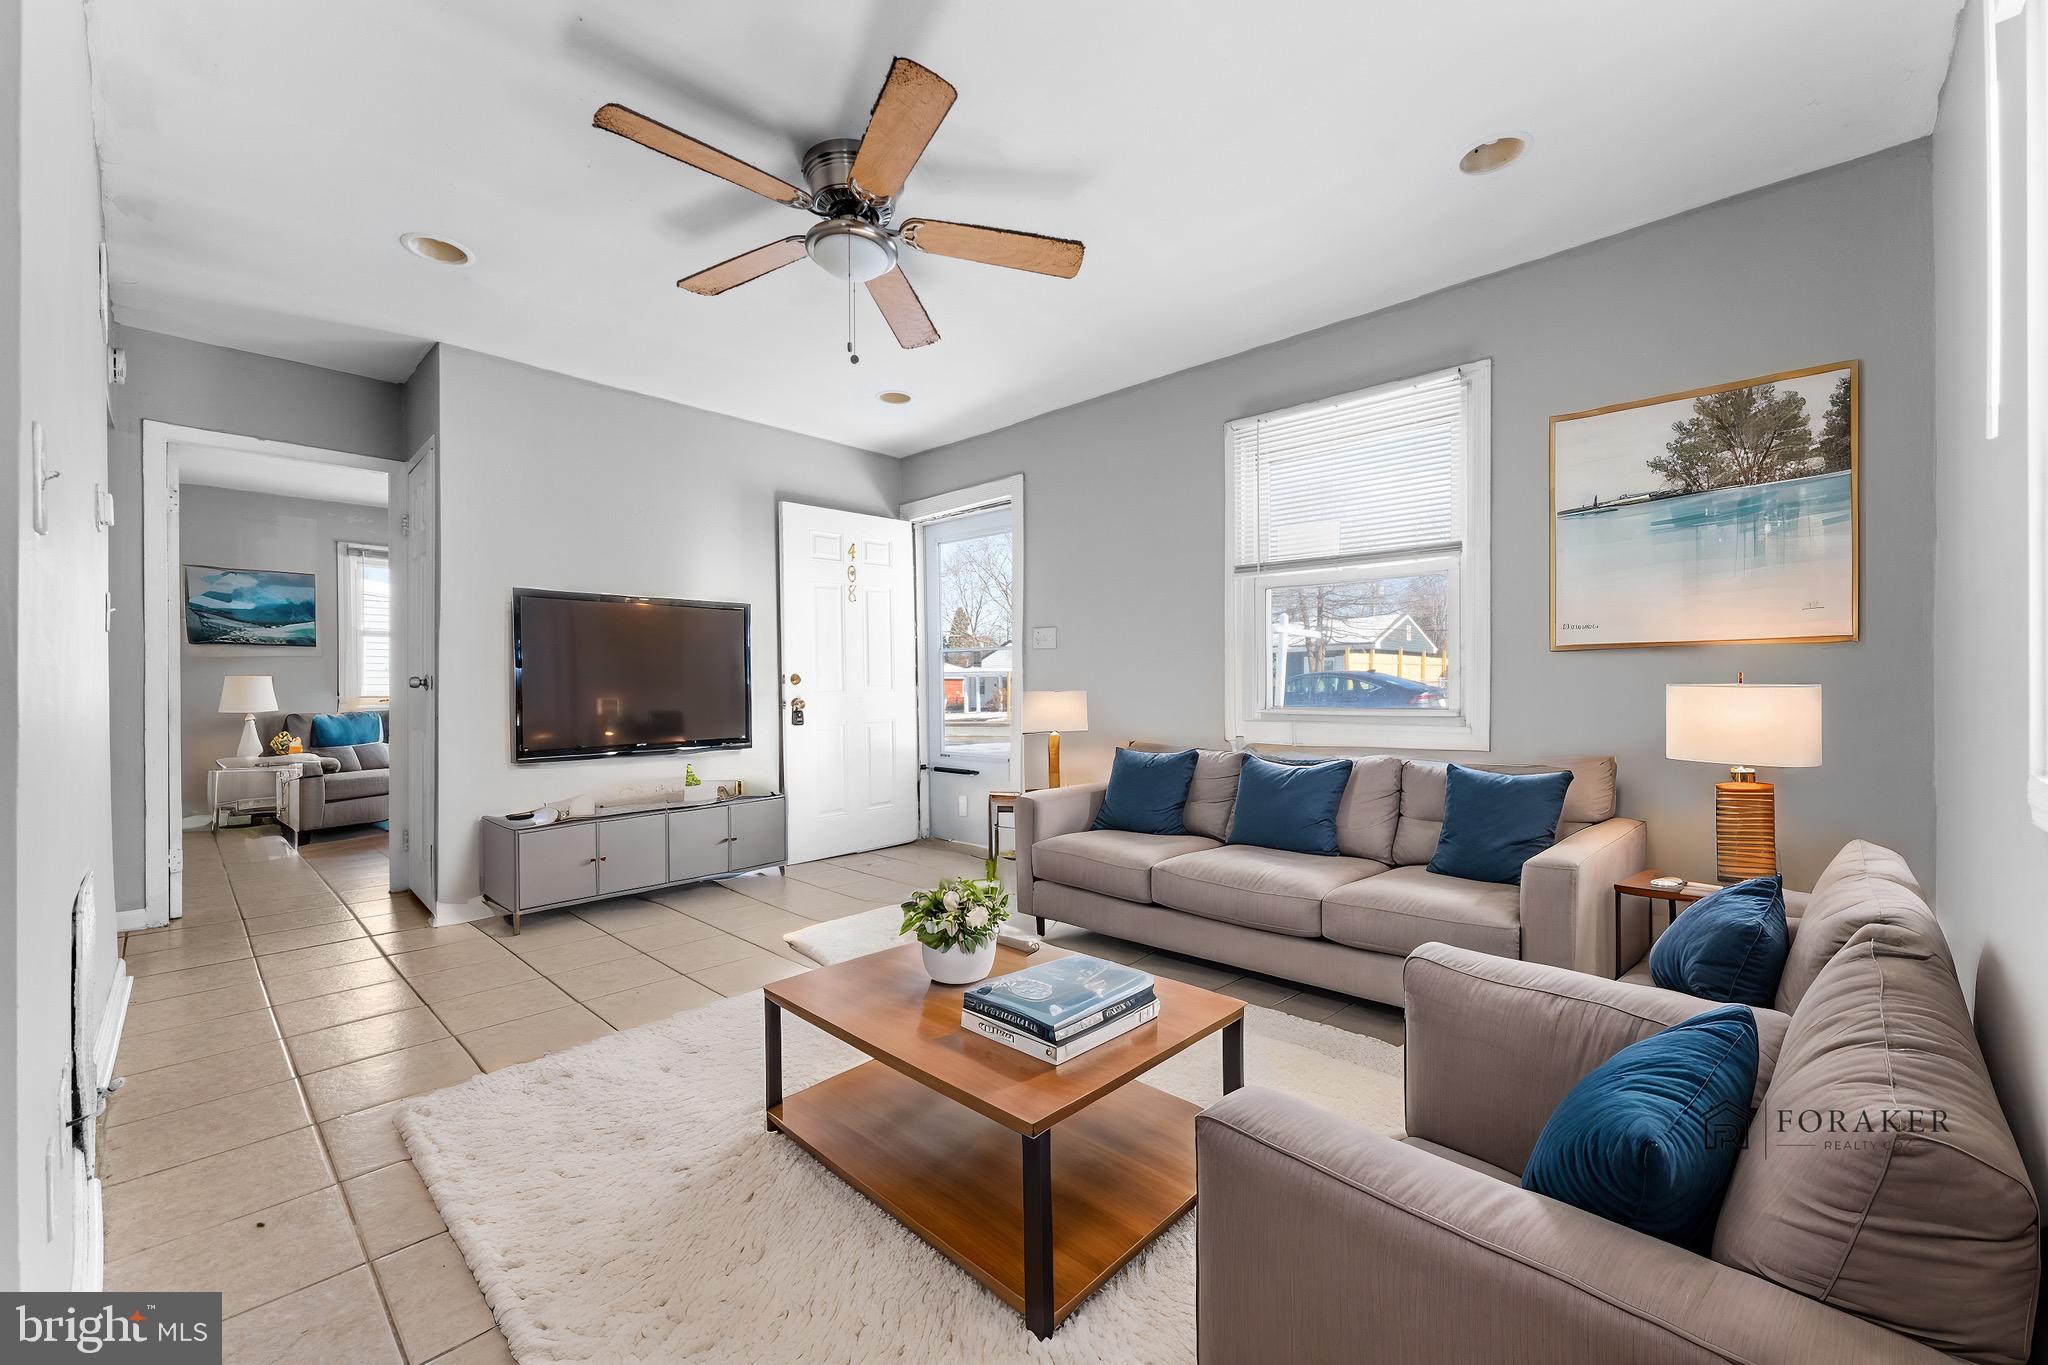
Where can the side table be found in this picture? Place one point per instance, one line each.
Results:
(1639, 885)
(246, 786)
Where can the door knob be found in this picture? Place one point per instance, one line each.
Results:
(426, 683)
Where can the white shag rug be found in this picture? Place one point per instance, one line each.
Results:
(622, 1201)
(851, 936)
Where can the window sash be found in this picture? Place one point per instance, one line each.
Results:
(365, 608)
(1265, 706)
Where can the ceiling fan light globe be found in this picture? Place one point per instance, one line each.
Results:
(849, 248)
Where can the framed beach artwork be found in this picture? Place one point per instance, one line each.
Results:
(1725, 515)
(248, 607)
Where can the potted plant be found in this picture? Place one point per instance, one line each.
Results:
(956, 923)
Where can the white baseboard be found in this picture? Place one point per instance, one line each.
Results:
(89, 1238)
(196, 822)
(114, 1017)
(132, 921)
(464, 912)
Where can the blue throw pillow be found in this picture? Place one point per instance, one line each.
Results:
(1146, 792)
(1730, 945)
(1291, 806)
(1495, 822)
(349, 727)
(1648, 1139)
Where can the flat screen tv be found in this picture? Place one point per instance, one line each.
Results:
(594, 676)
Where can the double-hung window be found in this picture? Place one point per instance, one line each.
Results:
(1357, 598)
(365, 601)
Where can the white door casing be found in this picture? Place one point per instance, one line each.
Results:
(849, 670)
(416, 707)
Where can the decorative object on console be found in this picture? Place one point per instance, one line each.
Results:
(1146, 792)
(853, 186)
(1746, 726)
(247, 693)
(1657, 507)
(1495, 822)
(263, 607)
(1048, 713)
(1289, 806)
(283, 742)
(1649, 1137)
(1730, 945)
(956, 922)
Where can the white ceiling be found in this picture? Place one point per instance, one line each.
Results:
(1240, 173)
(255, 471)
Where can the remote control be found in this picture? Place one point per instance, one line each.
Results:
(1668, 883)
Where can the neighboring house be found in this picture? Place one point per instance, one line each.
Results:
(1391, 642)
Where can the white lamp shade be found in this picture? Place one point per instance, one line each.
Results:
(1755, 725)
(246, 693)
(1044, 712)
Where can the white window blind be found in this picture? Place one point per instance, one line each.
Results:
(1365, 475)
(366, 624)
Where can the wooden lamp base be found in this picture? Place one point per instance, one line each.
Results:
(1052, 759)
(1745, 830)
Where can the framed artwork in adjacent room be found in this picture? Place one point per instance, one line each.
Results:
(1723, 515)
(248, 607)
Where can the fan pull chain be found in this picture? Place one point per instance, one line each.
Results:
(852, 356)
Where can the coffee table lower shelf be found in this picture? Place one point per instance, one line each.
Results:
(992, 1200)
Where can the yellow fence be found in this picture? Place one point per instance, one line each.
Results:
(1419, 667)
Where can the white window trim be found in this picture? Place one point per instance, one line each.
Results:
(2036, 38)
(343, 608)
(1246, 718)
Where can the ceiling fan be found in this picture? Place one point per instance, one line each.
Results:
(852, 188)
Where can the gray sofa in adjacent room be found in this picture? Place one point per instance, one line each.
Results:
(347, 784)
(1342, 923)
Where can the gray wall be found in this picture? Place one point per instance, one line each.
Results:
(1129, 489)
(553, 482)
(231, 528)
(1994, 860)
(189, 383)
(54, 804)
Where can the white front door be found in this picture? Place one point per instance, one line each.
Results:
(415, 752)
(849, 681)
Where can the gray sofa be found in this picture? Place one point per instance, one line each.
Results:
(1839, 1240)
(1341, 923)
(336, 786)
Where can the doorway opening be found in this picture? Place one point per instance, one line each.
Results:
(969, 551)
(280, 619)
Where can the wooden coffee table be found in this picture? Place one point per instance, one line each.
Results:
(952, 1133)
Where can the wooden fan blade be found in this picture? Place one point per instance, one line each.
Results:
(635, 127)
(899, 304)
(748, 265)
(996, 246)
(909, 110)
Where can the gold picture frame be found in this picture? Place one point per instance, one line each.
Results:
(1753, 532)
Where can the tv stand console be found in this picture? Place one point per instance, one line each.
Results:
(549, 864)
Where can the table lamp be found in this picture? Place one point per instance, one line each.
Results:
(1048, 713)
(247, 693)
(1746, 726)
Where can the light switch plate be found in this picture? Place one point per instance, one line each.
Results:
(1045, 637)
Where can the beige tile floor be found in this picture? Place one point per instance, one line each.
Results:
(275, 1027)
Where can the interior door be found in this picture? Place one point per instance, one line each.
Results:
(416, 755)
(849, 681)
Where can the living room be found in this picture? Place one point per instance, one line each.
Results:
(1500, 655)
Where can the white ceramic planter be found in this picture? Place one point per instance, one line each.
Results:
(955, 967)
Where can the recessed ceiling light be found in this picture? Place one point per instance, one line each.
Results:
(1489, 157)
(893, 396)
(436, 249)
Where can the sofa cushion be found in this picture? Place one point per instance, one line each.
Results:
(1880, 1176)
(1212, 793)
(376, 755)
(1290, 806)
(1371, 808)
(1589, 800)
(1729, 945)
(356, 785)
(1647, 1138)
(1263, 888)
(1846, 898)
(1399, 911)
(343, 754)
(1495, 822)
(1146, 792)
(1113, 862)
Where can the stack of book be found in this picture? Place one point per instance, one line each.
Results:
(1060, 1009)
